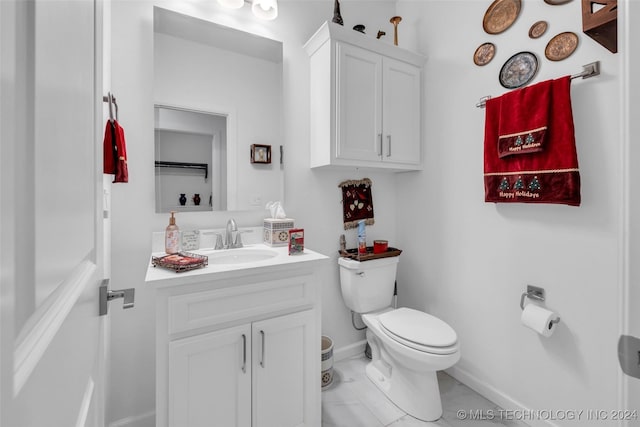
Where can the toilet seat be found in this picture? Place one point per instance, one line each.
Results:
(419, 330)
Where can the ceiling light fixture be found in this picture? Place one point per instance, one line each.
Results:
(231, 4)
(263, 9)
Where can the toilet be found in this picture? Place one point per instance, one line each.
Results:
(407, 346)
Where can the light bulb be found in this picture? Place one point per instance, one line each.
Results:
(265, 9)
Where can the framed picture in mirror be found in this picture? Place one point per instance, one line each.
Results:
(260, 153)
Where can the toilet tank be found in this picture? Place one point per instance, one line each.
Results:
(368, 285)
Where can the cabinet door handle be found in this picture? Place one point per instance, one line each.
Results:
(262, 351)
(380, 138)
(244, 353)
(389, 141)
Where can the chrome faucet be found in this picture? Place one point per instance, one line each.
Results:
(232, 235)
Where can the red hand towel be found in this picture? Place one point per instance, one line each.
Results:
(115, 152)
(547, 176)
(524, 117)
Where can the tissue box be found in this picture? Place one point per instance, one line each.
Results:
(276, 231)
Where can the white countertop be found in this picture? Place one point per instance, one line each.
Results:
(164, 277)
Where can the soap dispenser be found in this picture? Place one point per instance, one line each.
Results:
(172, 236)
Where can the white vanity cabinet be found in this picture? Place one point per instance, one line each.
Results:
(365, 101)
(239, 348)
(257, 371)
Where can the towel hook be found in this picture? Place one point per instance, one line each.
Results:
(112, 102)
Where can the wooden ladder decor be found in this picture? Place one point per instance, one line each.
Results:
(601, 25)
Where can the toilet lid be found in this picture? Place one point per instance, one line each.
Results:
(419, 328)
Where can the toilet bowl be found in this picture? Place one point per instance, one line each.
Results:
(407, 346)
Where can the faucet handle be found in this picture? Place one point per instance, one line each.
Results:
(238, 241)
(219, 244)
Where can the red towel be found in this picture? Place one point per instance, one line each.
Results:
(115, 152)
(547, 176)
(524, 118)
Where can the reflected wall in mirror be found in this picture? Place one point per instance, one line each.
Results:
(204, 71)
(190, 160)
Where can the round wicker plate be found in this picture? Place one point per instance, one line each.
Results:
(518, 70)
(561, 46)
(538, 29)
(484, 54)
(500, 15)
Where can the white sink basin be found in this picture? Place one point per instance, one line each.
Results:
(239, 256)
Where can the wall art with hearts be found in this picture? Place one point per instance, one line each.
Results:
(357, 202)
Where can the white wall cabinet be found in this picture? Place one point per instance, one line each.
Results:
(365, 102)
(241, 350)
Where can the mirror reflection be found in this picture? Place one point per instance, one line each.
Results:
(190, 160)
(218, 96)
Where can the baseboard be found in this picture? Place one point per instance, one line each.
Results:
(516, 410)
(148, 419)
(350, 350)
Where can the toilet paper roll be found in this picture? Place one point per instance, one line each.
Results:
(539, 319)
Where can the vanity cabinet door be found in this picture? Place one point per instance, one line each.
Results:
(210, 379)
(401, 112)
(359, 104)
(286, 371)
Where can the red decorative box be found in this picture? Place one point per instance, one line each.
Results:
(296, 241)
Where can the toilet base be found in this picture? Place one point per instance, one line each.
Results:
(416, 393)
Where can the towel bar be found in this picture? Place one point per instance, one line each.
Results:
(589, 70)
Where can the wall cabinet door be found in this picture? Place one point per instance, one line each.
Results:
(210, 379)
(284, 371)
(401, 112)
(377, 108)
(359, 104)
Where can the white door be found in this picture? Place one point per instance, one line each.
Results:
(52, 341)
(401, 112)
(210, 379)
(359, 103)
(286, 371)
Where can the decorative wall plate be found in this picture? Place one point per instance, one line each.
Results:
(561, 46)
(518, 70)
(538, 29)
(500, 15)
(556, 2)
(484, 53)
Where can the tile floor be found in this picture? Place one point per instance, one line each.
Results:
(352, 400)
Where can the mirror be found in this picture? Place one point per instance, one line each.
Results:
(217, 96)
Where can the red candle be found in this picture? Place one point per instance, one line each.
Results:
(380, 246)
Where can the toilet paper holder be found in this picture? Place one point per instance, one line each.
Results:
(536, 293)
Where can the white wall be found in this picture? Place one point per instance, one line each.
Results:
(311, 197)
(468, 262)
